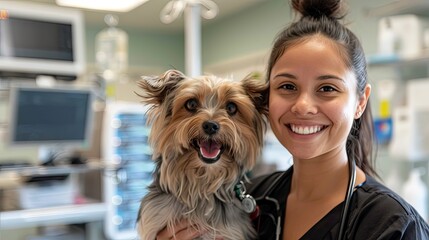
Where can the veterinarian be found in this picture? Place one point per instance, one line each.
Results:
(319, 109)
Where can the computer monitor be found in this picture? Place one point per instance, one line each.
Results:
(51, 117)
(40, 39)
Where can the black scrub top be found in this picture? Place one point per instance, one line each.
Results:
(376, 212)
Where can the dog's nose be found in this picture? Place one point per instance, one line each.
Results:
(210, 127)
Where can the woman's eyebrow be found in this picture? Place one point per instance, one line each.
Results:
(329, 76)
(286, 75)
(322, 77)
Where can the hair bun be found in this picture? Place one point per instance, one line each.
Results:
(319, 8)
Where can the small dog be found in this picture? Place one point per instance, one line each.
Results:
(206, 133)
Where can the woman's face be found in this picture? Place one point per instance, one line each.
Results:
(313, 99)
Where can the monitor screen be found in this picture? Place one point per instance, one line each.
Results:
(30, 38)
(50, 116)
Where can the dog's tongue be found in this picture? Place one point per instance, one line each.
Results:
(209, 149)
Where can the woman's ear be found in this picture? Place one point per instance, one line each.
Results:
(363, 100)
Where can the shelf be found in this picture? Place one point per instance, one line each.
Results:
(69, 214)
(395, 60)
(403, 68)
(419, 7)
(91, 165)
(12, 177)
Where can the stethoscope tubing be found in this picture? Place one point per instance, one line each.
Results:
(349, 195)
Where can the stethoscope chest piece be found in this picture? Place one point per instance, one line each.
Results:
(248, 203)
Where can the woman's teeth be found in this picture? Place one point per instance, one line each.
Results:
(305, 130)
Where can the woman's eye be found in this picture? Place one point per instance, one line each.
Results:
(327, 89)
(231, 108)
(191, 105)
(288, 87)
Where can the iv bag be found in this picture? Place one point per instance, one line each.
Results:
(111, 50)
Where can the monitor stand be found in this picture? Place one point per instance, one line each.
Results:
(51, 155)
(46, 157)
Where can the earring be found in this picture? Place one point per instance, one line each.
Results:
(359, 114)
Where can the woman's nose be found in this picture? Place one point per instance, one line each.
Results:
(305, 104)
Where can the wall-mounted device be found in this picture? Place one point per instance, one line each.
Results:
(37, 39)
(125, 144)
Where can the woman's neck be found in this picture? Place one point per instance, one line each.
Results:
(318, 178)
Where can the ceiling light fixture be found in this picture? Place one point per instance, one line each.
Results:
(175, 8)
(104, 5)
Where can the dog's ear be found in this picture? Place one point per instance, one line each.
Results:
(156, 88)
(257, 89)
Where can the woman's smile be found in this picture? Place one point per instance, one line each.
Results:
(305, 130)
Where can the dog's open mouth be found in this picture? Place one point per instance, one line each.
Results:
(208, 150)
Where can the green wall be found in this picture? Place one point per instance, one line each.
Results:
(253, 30)
(146, 49)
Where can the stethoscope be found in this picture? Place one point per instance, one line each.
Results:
(249, 204)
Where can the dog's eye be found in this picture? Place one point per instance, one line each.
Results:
(191, 105)
(231, 108)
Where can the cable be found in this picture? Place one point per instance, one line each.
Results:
(349, 194)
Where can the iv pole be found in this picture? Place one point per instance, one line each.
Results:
(192, 10)
(193, 40)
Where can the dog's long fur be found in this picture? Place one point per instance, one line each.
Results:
(188, 113)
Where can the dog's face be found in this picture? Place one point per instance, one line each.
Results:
(206, 131)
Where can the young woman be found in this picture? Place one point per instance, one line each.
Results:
(318, 101)
(318, 104)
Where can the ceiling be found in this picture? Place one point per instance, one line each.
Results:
(146, 16)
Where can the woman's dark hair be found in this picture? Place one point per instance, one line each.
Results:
(322, 18)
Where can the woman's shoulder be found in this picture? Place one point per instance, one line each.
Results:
(378, 211)
(374, 193)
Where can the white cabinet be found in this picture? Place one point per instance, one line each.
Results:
(87, 211)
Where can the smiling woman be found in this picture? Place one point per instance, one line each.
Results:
(311, 88)
(318, 103)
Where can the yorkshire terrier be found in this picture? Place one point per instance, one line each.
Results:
(206, 134)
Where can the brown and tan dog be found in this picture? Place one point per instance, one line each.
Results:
(206, 134)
